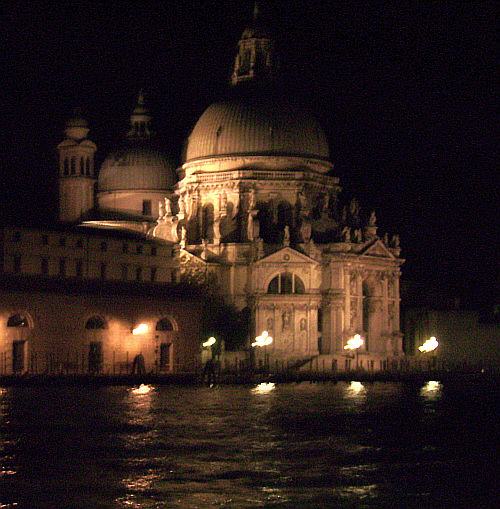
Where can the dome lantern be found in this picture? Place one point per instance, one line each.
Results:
(256, 58)
(76, 127)
(140, 120)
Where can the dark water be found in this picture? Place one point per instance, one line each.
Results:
(294, 445)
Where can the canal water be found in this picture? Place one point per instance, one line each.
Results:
(292, 445)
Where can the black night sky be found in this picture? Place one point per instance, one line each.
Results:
(404, 91)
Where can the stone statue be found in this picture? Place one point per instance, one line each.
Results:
(303, 324)
(286, 319)
(358, 236)
(395, 241)
(161, 210)
(325, 205)
(346, 234)
(354, 208)
(286, 236)
(386, 239)
(373, 219)
(204, 252)
(252, 201)
(182, 205)
(223, 201)
(168, 206)
(253, 225)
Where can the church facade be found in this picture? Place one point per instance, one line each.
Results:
(254, 208)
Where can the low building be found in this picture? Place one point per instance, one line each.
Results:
(466, 338)
(75, 300)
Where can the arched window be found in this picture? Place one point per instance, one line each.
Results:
(66, 167)
(17, 321)
(95, 323)
(82, 166)
(164, 325)
(73, 165)
(286, 282)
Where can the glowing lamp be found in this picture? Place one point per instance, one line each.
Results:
(429, 345)
(142, 328)
(209, 342)
(354, 343)
(263, 340)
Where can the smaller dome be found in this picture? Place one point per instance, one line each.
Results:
(136, 168)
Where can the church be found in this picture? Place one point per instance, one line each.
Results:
(254, 209)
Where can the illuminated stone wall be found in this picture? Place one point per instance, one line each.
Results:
(56, 339)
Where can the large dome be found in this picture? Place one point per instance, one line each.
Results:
(256, 126)
(136, 168)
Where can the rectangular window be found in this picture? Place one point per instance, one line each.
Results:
(44, 266)
(45, 240)
(17, 263)
(79, 268)
(146, 207)
(124, 272)
(138, 274)
(62, 267)
(103, 270)
(153, 274)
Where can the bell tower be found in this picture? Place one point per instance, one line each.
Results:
(256, 58)
(77, 176)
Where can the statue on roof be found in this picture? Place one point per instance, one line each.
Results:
(168, 206)
(286, 236)
(346, 234)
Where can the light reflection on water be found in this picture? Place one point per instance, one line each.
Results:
(264, 388)
(290, 445)
(431, 390)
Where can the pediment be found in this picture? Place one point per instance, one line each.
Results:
(286, 255)
(378, 250)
